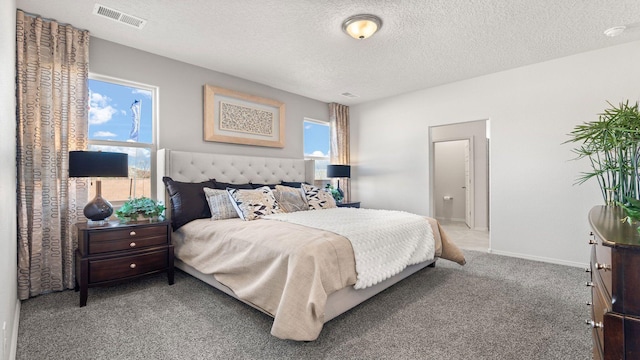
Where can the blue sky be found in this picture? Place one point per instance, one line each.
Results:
(110, 115)
(316, 139)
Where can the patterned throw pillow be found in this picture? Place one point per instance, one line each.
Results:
(220, 204)
(253, 204)
(290, 199)
(317, 198)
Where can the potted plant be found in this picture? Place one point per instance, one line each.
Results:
(612, 145)
(336, 193)
(144, 207)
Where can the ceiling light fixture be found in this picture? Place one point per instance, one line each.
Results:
(615, 31)
(361, 26)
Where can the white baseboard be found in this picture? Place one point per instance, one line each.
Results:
(14, 332)
(540, 258)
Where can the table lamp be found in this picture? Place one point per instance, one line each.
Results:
(98, 164)
(339, 171)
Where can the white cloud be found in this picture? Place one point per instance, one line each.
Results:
(318, 153)
(100, 111)
(103, 134)
(307, 127)
(144, 93)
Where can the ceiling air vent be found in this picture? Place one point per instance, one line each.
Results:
(119, 16)
(349, 95)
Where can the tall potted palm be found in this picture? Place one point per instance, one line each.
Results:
(612, 145)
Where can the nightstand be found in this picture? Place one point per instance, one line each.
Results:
(116, 252)
(355, 204)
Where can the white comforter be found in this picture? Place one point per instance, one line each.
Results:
(384, 242)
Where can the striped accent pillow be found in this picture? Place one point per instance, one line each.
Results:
(220, 204)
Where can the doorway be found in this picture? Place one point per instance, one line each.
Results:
(459, 179)
(453, 177)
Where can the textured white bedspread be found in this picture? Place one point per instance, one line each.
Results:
(384, 242)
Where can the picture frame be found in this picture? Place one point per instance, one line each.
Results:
(238, 118)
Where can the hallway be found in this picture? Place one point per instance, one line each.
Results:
(466, 238)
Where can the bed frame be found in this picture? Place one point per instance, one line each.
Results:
(197, 167)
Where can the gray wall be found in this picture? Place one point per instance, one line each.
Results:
(181, 99)
(9, 304)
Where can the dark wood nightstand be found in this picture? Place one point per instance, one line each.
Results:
(116, 252)
(355, 204)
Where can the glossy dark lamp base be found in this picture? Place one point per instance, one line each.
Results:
(99, 208)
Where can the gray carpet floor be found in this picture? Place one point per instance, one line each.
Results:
(494, 307)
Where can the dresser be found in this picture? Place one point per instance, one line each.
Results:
(615, 285)
(116, 252)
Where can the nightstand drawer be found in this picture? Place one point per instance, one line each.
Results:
(127, 266)
(126, 239)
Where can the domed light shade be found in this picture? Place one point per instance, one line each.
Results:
(361, 26)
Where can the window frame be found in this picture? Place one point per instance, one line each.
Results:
(155, 94)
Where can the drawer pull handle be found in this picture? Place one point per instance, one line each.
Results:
(589, 283)
(605, 267)
(132, 244)
(133, 266)
(593, 324)
(587, 270)
(133, 233)
(592, 242)
(589, 303)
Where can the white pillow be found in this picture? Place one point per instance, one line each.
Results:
(317, 198)
(253, 204)
(220, 204)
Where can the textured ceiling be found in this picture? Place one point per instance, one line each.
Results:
(299, 46)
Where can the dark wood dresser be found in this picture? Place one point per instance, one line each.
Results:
(615, 284)
(116, 252)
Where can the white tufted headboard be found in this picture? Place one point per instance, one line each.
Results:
(195, 167)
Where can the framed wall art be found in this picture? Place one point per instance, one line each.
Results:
(234, 117)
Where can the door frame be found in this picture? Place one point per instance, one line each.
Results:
(432, 177)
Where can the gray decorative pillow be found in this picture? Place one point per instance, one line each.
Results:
(317, 198)
(253, 204)
(290, 199)
(220, 204)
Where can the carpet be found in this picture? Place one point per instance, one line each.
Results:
(495, 307)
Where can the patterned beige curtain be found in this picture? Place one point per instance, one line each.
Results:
(52, 69)
(340, 152)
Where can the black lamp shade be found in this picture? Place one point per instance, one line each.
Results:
(98, 164)
(338, 171)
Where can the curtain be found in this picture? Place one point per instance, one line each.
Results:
(51, 114)
(339, 124)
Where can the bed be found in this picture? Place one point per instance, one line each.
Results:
(302, 284)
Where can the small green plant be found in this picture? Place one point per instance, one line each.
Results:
(336, 193)
(134, 208)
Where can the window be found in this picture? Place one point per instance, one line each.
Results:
(122, 118)
(317, 144)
